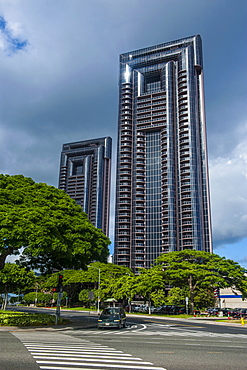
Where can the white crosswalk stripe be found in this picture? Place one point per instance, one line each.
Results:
(190, 333)
(76, 354)
(171, 331)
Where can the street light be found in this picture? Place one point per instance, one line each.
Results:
(97, 268)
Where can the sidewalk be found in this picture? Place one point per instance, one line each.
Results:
(74, 324)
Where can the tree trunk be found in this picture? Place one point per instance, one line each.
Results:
(2, 260)
(4, 255)
(129, 303)
(191, 295)
(5, 301)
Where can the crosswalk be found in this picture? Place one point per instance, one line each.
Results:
(73, 354)
(152, 330)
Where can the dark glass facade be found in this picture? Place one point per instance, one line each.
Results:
(162, 186)
(85, 173)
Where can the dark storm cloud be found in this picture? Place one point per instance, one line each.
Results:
(63, 85)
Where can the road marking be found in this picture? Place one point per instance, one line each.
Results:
(65, 353)
(137, 330)
(192, 344)
(43, 359)
(175, 324)
(61, 352)
(95, 365)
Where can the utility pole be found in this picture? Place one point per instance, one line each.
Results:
(97, 268)
(59, 296)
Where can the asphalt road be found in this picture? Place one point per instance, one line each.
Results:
(147, 343)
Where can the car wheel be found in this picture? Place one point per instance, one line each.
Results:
(119, 325)
(124, 324)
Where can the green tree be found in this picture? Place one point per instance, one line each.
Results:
(150, 284)
(30, 297)
(201, 270)
(204, 298)
(175, 296)
(63, 297)
(83, 296)
(76, 280)
(14, 278)
(47, 226)
(123, 287)
(37, 297)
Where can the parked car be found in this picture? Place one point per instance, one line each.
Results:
(213, 311)
(216, 311)
(145, 309)
(224, 311)
(170, 310)
(134, 308)
(238, 313)
(112, 317)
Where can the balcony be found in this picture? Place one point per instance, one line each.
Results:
(123, 220)
(139, 251)
(140, 205)
(184, 154)
(187, 236)
(140, 231)
(186, 215)
(123, 259)
(138, 258)
(185, 209)
(187, 183)
(123, 213)
(184, 196)
(186, 222)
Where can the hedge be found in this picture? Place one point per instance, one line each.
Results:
(28, 319)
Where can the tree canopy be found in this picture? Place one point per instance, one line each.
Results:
(47, 226)
(198, 269)
(88, 280)
(14, 278)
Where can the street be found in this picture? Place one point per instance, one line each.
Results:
(147, 343)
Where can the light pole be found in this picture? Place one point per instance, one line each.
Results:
(97, 268)
(36, 295)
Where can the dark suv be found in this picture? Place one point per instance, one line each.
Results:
(112, 317)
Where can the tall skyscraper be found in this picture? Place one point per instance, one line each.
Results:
(162, 186)
(85, 174)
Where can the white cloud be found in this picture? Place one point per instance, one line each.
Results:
(10, 39)
(228, 179)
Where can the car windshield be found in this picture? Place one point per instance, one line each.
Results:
(110, 311)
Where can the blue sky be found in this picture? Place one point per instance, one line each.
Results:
(59, 83)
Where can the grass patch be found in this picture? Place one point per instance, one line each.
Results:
(11, 318)
(232, 321)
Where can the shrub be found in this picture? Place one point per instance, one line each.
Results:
(28, 319)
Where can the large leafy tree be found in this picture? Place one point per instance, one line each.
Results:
(47, 226)
(87, 280)
(150, 285)
(201, 270)
(14, 278)
(123, 287)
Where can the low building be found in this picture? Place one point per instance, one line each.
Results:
(230, 300)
